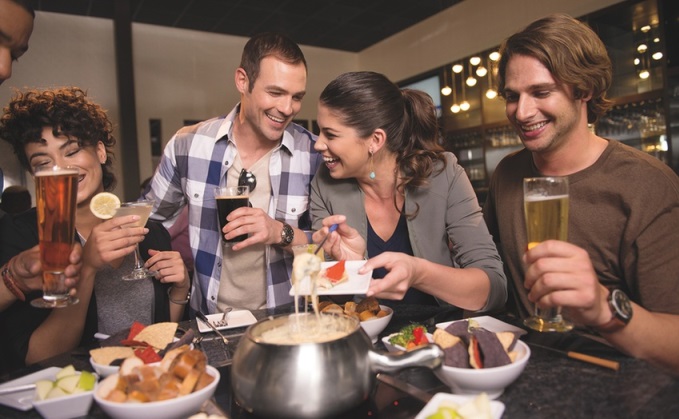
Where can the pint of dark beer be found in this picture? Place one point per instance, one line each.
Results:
(56, 191)
(230, 198)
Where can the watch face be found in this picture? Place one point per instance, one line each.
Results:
(622, 304)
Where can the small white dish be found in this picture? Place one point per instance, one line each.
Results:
(104, 370)
(491, 324)
(236, 318)
(179, 407)
(23, 400)
(373, 327)
(66, 407)
(355, 284)
(395, 348)
(496, 408)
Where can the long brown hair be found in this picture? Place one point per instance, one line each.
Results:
(366, 101)
(571, 51)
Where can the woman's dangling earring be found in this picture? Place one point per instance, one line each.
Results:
(372, 167)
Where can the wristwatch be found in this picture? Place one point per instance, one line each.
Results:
(287, 235)
(622, 312)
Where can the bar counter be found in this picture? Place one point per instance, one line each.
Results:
(551, 386)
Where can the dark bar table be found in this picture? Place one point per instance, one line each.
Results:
(551, 386)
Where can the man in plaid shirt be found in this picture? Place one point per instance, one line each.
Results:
(256, 144)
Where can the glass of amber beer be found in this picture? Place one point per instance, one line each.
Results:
(545, 203)
(56, 189)
(228, 199)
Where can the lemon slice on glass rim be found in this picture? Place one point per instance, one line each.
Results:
(104, 205)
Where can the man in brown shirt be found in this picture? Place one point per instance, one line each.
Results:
(624, 204)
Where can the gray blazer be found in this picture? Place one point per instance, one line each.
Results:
(448, 212)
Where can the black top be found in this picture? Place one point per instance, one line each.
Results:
(18, 322)
(398, 242)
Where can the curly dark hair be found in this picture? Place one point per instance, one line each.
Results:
(366, 100)
(69, 112)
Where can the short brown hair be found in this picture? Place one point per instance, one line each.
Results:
(571, 51)
(268, 44)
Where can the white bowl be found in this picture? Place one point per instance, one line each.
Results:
(71, 406)
(180, 407)
(491, 380)
(373, 327)
(104, 370)
(395, 348)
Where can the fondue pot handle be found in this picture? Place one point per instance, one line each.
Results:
(428, 356)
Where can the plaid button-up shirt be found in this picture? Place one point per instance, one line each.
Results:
(194, 162)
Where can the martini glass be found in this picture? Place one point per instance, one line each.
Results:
(143, 210)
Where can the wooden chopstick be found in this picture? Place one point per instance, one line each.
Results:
(606, 363)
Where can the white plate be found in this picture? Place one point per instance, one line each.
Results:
(491, 324)
(356, 284)
(496, 408)
(23, 400)
(236, 318)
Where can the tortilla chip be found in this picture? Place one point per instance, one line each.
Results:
(456, 356)
(507, 340)
(445, 339)
(459, 329)
(158, 335)
(493, 354)
(108, 354)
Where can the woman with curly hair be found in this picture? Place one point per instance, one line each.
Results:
(399, 198)
(63, 127)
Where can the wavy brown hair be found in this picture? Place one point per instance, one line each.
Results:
(366, 101)
(69, 112)
(571, 51)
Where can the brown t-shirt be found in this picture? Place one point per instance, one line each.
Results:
(624, 210)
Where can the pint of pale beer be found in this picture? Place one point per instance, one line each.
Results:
(56, 191)
(545, 203)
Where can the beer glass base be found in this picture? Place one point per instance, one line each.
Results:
(138, 274)
(557, 324)
(56, 303)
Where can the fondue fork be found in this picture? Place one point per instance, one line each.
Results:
(205, 320)
(320, 245)
(224, 321)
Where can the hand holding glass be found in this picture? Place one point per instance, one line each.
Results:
(228, 199)
(143, 210)
(56, 189)
(546, 210)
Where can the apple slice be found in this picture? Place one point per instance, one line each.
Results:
(86, 381)
(66, 371)
(68, 383)
(55, 392)
(42, 388)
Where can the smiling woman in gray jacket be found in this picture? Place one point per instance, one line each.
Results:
(399, 199)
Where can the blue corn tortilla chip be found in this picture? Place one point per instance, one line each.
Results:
(456, 356)
(492, 352)
(459, 329)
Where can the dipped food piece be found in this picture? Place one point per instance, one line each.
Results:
(334, 275)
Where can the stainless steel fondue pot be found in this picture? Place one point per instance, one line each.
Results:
(312, 380)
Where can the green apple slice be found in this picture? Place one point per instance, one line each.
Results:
(86, 381)
(66, 371)
(42, 387)
(56, 392)
(68, 383)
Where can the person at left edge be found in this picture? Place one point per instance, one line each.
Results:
(257, 138)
